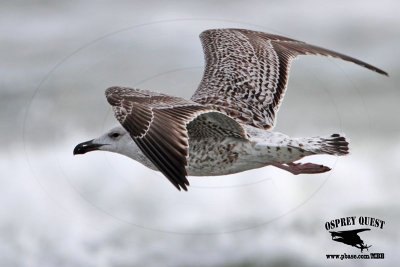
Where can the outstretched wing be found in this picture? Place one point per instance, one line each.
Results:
(158, 125)
(361, 230)
(356, 231)
(247, 72)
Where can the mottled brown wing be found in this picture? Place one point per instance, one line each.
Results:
(158, 125)
(246, 72)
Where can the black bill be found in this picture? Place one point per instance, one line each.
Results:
(85, 147)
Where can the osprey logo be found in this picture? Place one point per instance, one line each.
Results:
(352, 231)
(351, 238)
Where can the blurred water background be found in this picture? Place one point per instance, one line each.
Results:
(101, 209)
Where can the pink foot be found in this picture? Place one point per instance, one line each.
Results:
(302, 168)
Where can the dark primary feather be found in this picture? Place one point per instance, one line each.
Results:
(246, 72)
(158, 125)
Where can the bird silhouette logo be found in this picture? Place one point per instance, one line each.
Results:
(350, 237)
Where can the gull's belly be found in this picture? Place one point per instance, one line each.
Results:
(221, 156)
(216, 156)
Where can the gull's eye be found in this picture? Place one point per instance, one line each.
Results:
(114, 135)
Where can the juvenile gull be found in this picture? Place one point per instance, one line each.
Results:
(226, 126)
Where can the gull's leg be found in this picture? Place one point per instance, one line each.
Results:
(302, 168)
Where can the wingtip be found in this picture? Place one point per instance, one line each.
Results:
(184, 186)
(181, 186)
(380, 71)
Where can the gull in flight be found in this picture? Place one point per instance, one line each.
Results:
(226, 126)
